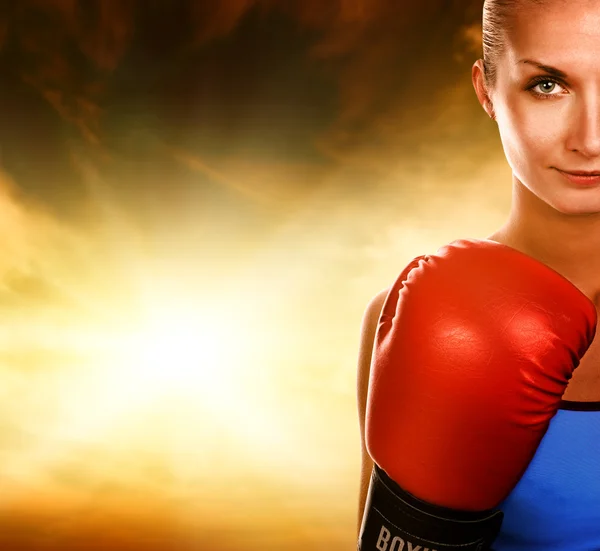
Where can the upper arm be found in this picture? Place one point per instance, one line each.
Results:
(365, 351)
(367, 337)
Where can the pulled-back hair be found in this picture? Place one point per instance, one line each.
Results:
(496, 21)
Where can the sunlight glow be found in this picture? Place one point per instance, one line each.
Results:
(176, 348)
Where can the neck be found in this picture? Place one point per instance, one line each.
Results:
(570, 244)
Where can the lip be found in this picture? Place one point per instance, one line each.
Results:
(580, 177)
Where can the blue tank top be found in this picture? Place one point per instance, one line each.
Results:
(556, 504)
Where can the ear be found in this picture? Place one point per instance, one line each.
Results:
(478, 77)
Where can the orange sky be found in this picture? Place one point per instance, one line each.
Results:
(197, 200)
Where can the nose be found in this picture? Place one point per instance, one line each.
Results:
(585, 127)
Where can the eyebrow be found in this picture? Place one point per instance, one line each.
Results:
(546, 68)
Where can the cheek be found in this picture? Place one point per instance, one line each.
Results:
(529, 133)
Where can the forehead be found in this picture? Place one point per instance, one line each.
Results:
(563, 34)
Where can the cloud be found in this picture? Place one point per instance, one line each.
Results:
(272, 184)
(72, 48)
(48, 265)
(212, 20)
(382, 55)
(105, 41)
(22, 289)
(385, 62)
(198, 165)
(68, 48)
(469, 39)
(17, 224)
(100, 29)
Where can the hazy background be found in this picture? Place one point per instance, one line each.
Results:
(197, 200)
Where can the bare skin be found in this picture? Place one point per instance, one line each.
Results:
(369, 327)
(551, 218)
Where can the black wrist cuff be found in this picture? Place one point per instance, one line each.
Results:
(396, 520)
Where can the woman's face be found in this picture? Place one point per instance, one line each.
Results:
(546, 101)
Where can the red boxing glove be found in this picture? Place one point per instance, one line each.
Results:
(474, 349)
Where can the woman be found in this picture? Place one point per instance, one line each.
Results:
(539, 80)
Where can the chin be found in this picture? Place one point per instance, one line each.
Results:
(568, 201)
(576, 207)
